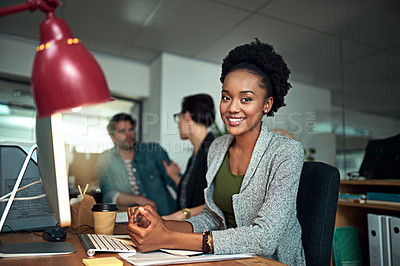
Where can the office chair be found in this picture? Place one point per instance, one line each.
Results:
(317, 200)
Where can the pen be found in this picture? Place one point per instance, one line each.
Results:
(137, 219)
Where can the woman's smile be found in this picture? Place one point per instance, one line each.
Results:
(235, 121)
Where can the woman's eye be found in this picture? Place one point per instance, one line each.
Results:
(246, 99)
(225, 98)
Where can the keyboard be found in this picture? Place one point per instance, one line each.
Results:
(105, 243)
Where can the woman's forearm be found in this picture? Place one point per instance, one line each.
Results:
(176, 178)
(179, 226)
(187, 241)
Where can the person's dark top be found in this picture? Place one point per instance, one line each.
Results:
(193, 183)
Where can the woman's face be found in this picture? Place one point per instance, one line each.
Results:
(183, 125)
(243, 102)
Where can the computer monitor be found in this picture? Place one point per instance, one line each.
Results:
(32, 214)
(53, 172)
(53, 166)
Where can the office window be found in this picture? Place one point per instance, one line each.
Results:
(86, 131)
(86, 137)
(17, 111)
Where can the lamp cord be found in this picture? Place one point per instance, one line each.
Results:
(41, 196)
(4, 198)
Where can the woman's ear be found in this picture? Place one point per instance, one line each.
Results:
(268, 104)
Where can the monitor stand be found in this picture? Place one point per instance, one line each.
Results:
(35, 249)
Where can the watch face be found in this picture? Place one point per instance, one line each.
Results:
(186, 212)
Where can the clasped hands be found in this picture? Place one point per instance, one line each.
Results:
(147, 229)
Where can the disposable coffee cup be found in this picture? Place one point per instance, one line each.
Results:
(104, 218)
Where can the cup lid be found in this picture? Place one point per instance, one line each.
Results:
(104, 207)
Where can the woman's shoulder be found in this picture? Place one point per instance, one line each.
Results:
(221, 141)
(219, 144)
(286, 144)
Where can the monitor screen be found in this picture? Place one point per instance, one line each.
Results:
(53, 166)
(33, 213)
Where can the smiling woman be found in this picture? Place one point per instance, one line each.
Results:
(253, 174)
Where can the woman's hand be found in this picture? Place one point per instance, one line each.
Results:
(131, 211)
(146, 229)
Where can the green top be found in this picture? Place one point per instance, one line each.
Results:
(226, 185)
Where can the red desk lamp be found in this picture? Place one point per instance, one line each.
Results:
(64, 75)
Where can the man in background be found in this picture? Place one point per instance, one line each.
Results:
(133, 173)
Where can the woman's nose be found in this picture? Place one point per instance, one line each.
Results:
(234, 107)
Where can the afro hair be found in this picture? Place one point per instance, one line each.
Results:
(262, 60)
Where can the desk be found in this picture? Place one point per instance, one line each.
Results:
(76, 258)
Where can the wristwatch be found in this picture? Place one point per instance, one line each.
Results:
(186, 212)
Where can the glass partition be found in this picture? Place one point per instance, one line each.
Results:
(367, 102)
(85, 132)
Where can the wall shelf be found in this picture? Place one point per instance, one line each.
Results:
(355, 214)
(371, 182)
(370, 206)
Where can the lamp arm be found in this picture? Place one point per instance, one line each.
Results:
(47, 6)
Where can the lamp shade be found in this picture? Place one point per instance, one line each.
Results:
(65, 74)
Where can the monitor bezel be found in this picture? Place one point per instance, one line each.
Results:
(52, 164)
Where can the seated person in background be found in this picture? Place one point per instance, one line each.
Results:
(133, 173)
(197, 114)
(253, 174)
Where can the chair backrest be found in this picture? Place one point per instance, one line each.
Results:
(317, 200)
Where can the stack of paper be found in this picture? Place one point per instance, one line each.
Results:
(162, 258)
(351, 197)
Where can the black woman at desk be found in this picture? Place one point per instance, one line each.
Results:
(253, 173)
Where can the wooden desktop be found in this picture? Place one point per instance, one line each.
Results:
(76, 258)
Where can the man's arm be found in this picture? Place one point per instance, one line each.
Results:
(131, 200)
(179, 215)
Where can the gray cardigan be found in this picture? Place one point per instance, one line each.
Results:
(265, 208)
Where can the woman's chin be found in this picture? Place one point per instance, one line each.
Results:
(236, 130)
